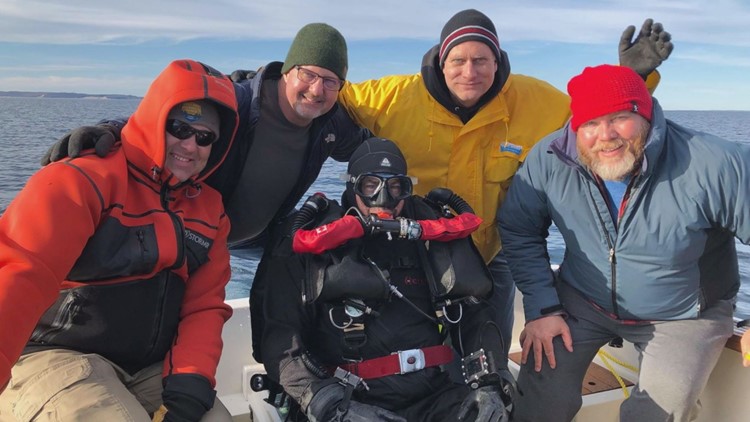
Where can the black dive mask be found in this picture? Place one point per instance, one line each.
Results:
(382, 190)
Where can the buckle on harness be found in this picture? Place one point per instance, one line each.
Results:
(410, 360)
(347, 379)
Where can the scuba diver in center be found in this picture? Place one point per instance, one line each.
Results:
(381, 293)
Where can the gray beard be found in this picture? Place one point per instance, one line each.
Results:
(617, 172)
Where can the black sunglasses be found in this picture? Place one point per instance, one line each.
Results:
(182, 130)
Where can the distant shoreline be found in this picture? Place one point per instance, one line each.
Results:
(28, 94)
(76, 95)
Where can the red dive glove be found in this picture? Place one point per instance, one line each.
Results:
(447, 229)
(328, 236)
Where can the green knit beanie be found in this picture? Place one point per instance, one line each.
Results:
(318, 44)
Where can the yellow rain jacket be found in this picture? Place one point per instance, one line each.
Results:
(476, 160)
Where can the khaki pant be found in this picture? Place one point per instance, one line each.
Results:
(65, 386)
(676, 359)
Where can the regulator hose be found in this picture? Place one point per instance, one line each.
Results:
(444, 196)
(316, 203)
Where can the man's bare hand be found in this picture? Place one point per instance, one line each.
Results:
(538, 335)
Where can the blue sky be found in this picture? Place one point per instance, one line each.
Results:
(118, 47)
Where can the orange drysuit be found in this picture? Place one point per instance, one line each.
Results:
(114, 255)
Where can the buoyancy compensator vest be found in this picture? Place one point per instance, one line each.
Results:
(454, 268)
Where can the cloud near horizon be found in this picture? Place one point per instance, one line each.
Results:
(112, 47)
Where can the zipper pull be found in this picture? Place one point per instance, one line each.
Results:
(611, 255)
(164, 196)
(155, 171)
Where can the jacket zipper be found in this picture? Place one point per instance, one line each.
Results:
(179, 228)
(140, 233)
(610, 245)
(62, 320)
(629, 192)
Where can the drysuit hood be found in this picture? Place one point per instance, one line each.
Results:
(143, 137)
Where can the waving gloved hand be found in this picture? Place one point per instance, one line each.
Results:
(186, 398)
(102, 138)
(325, 404)
(487, 403)
(650, 48)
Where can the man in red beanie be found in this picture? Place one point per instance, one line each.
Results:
(649, 211)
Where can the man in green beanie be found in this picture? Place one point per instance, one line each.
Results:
(297, 127)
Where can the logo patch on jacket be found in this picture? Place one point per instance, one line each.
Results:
(197, 246)
(512, 148)
(197, 238)
(330, 138)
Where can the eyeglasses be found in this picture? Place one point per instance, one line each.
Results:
(309, 77)
(369, 185)
(182, 130)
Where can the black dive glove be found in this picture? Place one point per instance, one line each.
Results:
(240, 75)
(487, 403)
(187, 397)
(650, 48)
(101, 137)
(327, 405)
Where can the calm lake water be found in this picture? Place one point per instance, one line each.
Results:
(28, 126)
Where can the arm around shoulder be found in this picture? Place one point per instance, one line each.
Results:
(101, 138)
(348, 135)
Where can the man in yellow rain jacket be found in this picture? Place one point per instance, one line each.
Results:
(466, 123)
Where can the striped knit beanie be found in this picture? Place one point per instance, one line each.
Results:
(318, 44)
(468, 25)
(606, 89)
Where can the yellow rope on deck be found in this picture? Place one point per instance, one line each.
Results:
(606, 358)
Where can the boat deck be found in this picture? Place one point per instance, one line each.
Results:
(724, 398)
(597, 379)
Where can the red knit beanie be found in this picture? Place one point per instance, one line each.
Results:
(606, 89)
